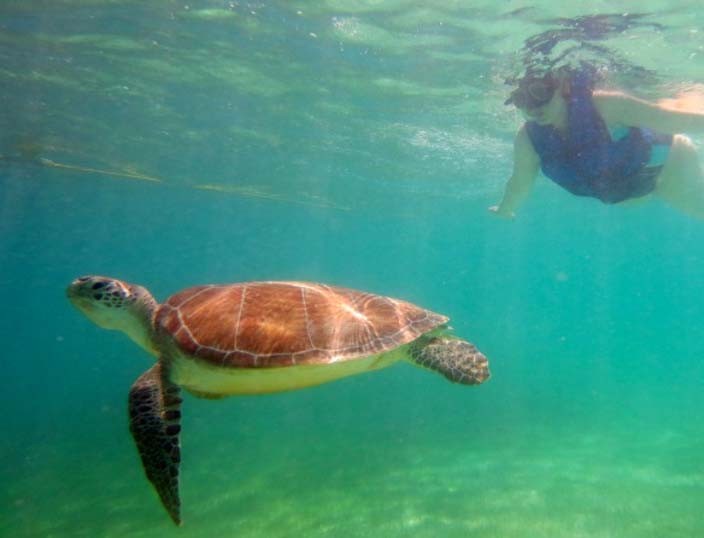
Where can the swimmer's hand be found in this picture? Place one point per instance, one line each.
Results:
(503, 213)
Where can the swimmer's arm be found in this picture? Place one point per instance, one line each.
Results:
(526, 164)
(616, 107)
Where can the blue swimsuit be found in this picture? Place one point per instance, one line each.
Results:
(593, 161)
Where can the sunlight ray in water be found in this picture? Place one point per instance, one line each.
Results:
(255, 192)
(86, 170)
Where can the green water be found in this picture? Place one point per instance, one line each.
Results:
(357, 143)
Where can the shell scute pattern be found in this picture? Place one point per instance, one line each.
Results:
(275, 324)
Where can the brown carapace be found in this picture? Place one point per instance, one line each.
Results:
(277, 324)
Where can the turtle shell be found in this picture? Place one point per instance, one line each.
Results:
(276, 324)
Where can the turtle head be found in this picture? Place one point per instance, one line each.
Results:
(113, 304)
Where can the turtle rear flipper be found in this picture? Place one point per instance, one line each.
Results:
(458, 360)
(154, 407)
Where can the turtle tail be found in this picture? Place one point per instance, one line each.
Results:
(155, 416)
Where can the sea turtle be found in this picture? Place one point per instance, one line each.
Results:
(254, 338)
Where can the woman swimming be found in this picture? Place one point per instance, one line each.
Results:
(602, 144)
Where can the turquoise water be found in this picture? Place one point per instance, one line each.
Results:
(355, 143)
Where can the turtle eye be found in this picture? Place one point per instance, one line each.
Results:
(98, 285)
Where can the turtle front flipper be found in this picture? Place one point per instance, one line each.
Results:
(458, 360)
(154, 406)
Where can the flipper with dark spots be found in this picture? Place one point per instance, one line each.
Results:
(458, 360)
(154, 407)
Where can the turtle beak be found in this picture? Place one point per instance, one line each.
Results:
(76, 288)
(87, 291)
(81, 287)
(78, 292)
(98, 298)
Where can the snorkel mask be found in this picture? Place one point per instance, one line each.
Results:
(533, 92)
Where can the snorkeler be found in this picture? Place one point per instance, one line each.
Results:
(602, 144)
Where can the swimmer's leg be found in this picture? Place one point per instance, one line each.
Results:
(681, 182)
